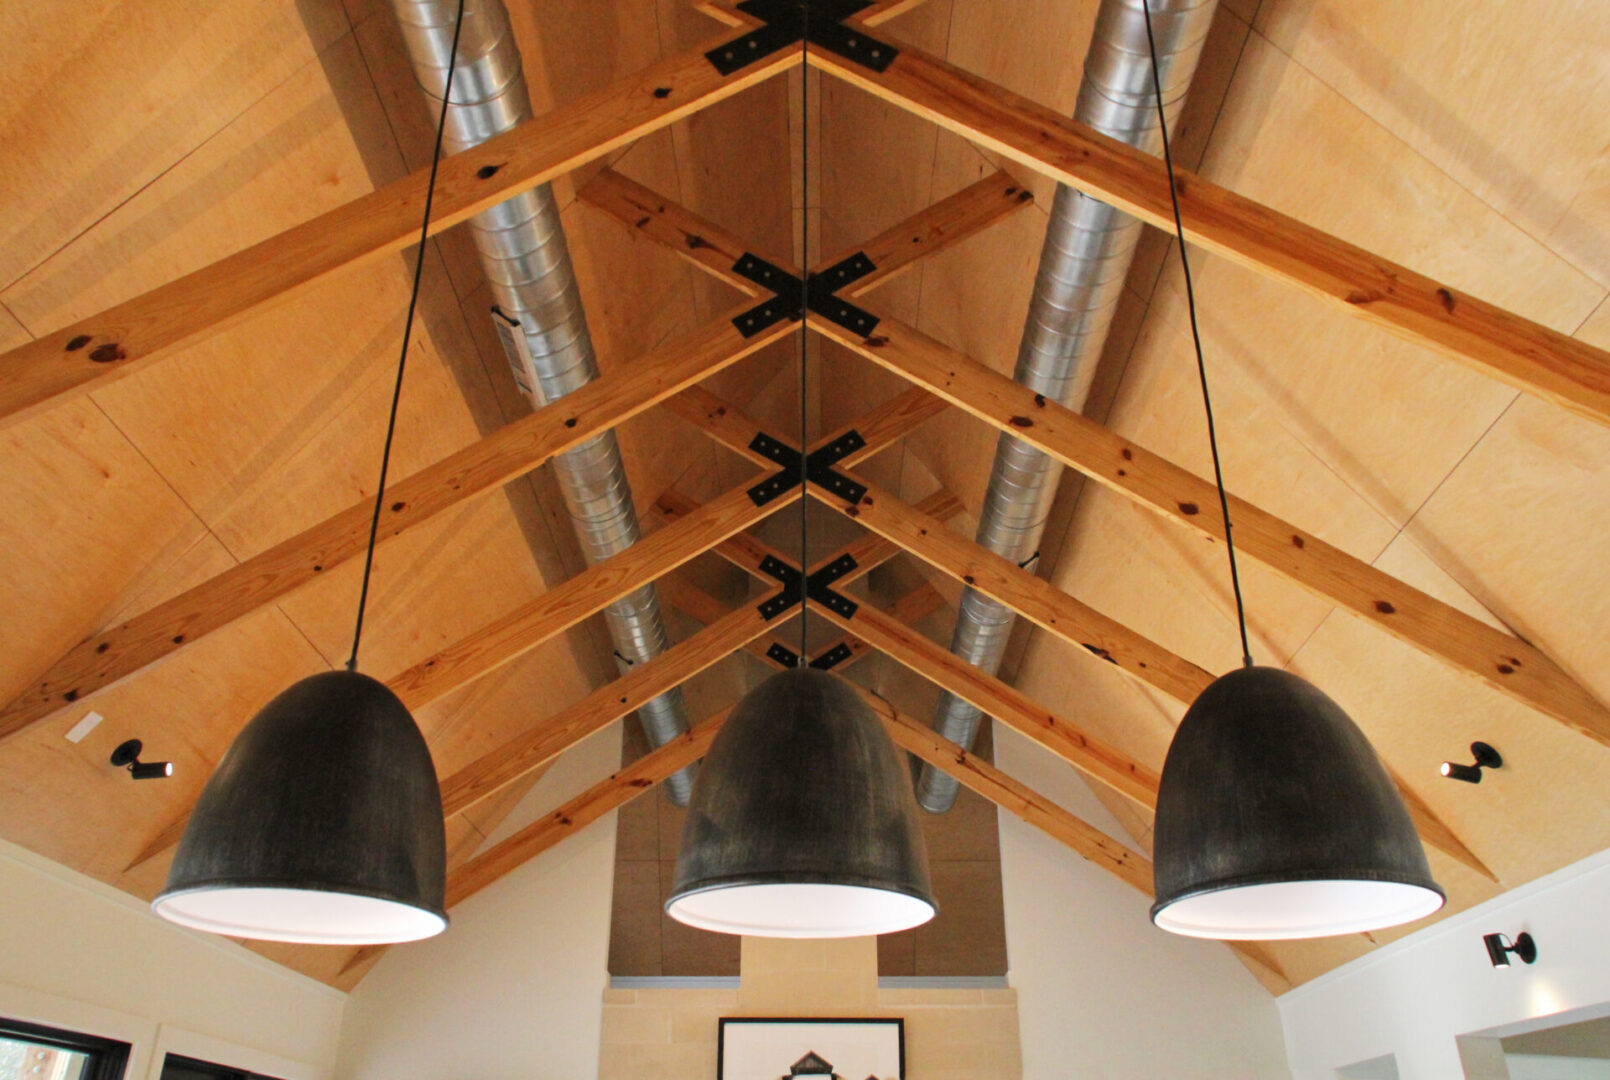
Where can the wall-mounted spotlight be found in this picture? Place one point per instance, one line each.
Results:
(1486, 758)
(1499, 948)
(127, 755)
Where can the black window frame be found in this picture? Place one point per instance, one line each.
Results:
(209, 1068)
(108, 1058)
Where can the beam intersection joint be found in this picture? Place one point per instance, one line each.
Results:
(817, 294)
(784, 23)
(818, 467)
(817, 586)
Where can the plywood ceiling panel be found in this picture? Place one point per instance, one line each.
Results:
(83, 137)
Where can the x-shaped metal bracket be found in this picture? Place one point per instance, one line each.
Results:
(785, 22)
(818, 294)
(817, 586)
(818, 467)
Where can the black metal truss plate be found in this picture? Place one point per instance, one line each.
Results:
(788, 303)
(818, 467)
(784, 479)
(782, 654)
(833, 657)
(793, 587)
(817, 586)
(785, 23)
(793, 296)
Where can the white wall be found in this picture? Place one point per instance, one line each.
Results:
(1102, 993)
(1414, 997)
(79, 954)
(515, 986)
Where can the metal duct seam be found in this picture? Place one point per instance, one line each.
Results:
(1083, 265)
(539, 314)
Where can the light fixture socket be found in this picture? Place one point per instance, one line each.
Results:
(1499, 947)
(1486, 758)
(127, 756)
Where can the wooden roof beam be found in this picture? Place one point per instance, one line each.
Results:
(1031, 595)
(112, 655)
(123, 339)
(1499, 659)
(557, 610)
(714, 250)
(979, 776)
(1531, 357)
(1042, 603)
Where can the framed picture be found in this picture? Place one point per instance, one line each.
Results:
(780, 1048)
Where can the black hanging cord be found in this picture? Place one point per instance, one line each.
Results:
(804, 335)
(1196, 338)
(402, 359)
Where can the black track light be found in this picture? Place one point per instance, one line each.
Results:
(127, 756)
(1486, 758)
(1499, 947)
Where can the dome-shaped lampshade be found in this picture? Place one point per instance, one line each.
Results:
(1276, 820)
(802, 821)
(323, 824)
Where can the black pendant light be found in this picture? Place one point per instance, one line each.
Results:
(803, 822)
(1275, 818)
(323, 821)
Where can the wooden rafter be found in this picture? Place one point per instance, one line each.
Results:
(928, 539)
(894, 251)
(1467, 644)
(1526, 355)
(1050, 608)
(121, 340)
(124, 650)
(983, 778)
(1501, 660)
(565, 605)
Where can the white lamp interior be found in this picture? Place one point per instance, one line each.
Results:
(299, 915)
(1297, 909)
(801, 910)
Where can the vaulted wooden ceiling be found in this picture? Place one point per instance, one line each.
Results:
(179, 541)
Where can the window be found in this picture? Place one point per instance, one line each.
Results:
(32, 1052)
(176, 1067)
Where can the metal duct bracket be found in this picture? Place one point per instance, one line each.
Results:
(786, 23)
(794, 297)
(818, 467)
(796, 586)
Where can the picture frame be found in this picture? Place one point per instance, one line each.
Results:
(782, 1048)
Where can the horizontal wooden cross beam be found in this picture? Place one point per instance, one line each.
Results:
(1524, 354)
(112, 655)
(125, 338)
